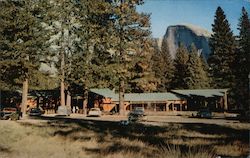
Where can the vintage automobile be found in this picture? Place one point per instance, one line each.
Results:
(35, 112)
(138, 111)
(95, 112)
(204, 113)
(10, 113)
(137, 114)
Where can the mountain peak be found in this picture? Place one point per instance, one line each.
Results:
(187, 34)
(196, 29)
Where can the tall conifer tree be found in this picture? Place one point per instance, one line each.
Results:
(143, 77)
(129, 28)
(164, 67)
(180, 68)
(91, 58)
(222, 58)
(196, 75)
(243, 61)
(22, 40)
(64, 21)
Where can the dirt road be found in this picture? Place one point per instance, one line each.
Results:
(153, 120)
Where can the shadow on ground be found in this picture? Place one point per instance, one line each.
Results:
(160, 137)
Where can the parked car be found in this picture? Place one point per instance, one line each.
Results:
(137, 114)
(204, 113)
(10, 113)
(138, 111)
(35, 112)
(124, 122)
(95, 112)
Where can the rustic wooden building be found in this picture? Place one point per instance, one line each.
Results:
(214, 99)
(175, 100)
(108, 100)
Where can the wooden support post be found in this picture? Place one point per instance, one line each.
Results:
(225, 101)
(148, 106)
(167, 106)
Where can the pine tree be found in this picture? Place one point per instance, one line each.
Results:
(204, 63)
(206, 69)
(129, 27)
(222, 57)
(243, 61)
(196, 75)
(92, 59)
(168, 65)
(157, 67)
(163, 67)
(22, 40)
(63, 27)
(180, 68)
(143, 77)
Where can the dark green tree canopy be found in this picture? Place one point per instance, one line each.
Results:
(22, 40)
(163, 66)
(180, 71)
(223, 46)
(197, 77)
(243, 61)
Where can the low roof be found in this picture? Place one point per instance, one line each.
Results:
(207, 93)
(105, 92)
(137, 97)
(151, 97)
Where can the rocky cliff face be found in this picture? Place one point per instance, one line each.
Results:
(187, 34)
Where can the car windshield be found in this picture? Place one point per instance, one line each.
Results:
(34, 110)
(204, 110)
(139, 108)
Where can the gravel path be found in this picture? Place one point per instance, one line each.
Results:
(151, 120)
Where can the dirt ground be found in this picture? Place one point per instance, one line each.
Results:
(158, 136)
(159, 120)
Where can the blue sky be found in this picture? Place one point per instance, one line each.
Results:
(197, 12)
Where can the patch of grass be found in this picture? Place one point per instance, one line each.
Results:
(192, 142)
(94, 139)
(235, 149)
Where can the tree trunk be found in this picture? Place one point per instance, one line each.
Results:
(68, 100)
(62, 79)
(121, 98)
(24, 96)
(62, 94)
(85, 100)
(225, 102)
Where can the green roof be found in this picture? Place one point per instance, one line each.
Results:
(158, 97)
(151, 97)
(105, 92)
(137, 97)
(207, 93)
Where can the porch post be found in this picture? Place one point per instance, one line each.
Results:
(225, 101)
(167, 106)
